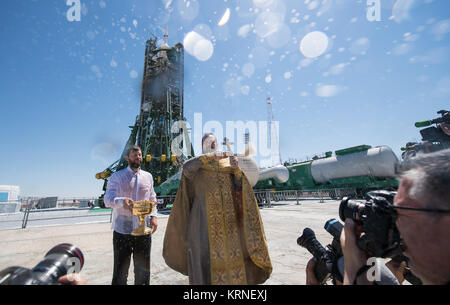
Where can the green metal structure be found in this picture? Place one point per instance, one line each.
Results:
(301, 178)
(160, 129)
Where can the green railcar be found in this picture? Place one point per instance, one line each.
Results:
(361, 168)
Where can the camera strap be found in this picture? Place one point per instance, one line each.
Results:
(361, 270)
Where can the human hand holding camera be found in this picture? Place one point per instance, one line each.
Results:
(310, 276)
(72, 280)
(355, 258)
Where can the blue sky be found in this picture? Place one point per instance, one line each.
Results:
(69, 90)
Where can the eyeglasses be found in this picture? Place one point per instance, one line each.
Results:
(439, 211)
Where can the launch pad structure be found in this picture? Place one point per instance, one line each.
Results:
(160, 129)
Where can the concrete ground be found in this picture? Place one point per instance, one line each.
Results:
(283, 224)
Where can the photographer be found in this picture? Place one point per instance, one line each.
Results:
(422, 204)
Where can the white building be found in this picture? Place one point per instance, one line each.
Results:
(9, 199)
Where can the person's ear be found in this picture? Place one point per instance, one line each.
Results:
(406, 184)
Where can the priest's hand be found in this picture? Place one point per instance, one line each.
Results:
(234, 162)
(219, 155)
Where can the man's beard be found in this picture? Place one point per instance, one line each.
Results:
(134, 164)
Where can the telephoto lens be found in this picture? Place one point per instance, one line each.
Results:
(309, 241)
(59, 261)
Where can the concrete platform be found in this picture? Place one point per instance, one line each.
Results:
(283, 224)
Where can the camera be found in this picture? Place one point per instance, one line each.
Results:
(329, 259)
(376, 217)
(59, 261)
(380, 237)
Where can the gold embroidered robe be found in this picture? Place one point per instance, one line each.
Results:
(215, 234)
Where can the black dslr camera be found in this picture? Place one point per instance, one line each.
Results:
(329, 260)
(380, 236)
(59, 261)
(376, 217)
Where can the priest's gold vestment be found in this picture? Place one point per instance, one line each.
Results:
(215, 233)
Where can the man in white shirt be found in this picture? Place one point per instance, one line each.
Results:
(124, 187)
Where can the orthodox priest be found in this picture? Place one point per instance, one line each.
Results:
(215, 234)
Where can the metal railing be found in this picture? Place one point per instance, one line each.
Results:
(266, 197)
(165, 202)
(52, 211)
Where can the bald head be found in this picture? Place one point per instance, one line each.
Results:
(209, 143)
